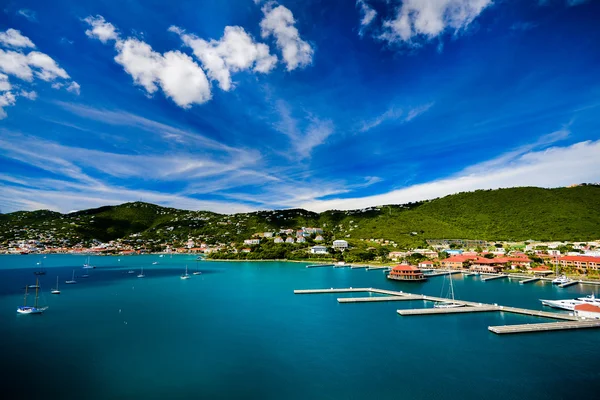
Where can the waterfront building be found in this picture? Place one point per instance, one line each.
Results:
(426, 264)
(457, 262)
(404, 272)
(580, 262)
(492, 265)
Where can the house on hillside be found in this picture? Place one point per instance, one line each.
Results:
(289, 239)
(278, 239)
(340, 244)
(319, 250)
(301, 240)
(252, 241)
(319, 238)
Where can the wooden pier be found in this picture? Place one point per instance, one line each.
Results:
(544, 327)
(568, 284)
(489, 278)
(441, 273)
(535, 279)
(378, 298)
(437, 311)
(568, 321)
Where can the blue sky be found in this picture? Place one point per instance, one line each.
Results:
(241, 105)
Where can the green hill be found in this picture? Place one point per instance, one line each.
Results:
(506, 214)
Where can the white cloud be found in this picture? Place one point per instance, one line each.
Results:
(4, 83)
(48, 69)
(26, 67)
(74, 87)
(279, 22)
(395, 114)
(101, 30)
(558, 166)
(14, 38)
(28, 95)
(430, 18)
(368, 14)
(6, 99)
(179, 77)
(28, 14)
(235, 51)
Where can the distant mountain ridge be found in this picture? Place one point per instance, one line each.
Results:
(514, 214)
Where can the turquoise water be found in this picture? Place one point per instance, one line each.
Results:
(238, 331)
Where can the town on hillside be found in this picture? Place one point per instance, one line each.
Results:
(318, 244)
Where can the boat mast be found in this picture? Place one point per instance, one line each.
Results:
(25, 297)
(451, 285)
(37, 285)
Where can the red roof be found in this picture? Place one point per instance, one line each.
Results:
(499, 260)
(542, 268)
(587, 307)
(462, 258)
(403, 267)
(426, 262)
(519, 259)
(580, 258)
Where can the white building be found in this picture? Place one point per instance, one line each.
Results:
(340, 244)
(301, 240)
(319, 238)
(278, 240)
(268, 234)
(318, 250)
(289, 240)
(252, 241)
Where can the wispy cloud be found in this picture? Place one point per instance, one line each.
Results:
(30, 15)
(395, 114)
(303, 141)
(557, 166)
(368, 15)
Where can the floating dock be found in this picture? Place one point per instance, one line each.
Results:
(569, 321)
(544, 327)
(437, 311)
(568, 284)
(441, 273)
(378, 298)
(378, 267)
(529, 280)
(489, 278)
(319, 265)
(358, 266)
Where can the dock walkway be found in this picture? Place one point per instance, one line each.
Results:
(535, 279)
(544, 327)
(489, 278)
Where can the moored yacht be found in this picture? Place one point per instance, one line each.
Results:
(560, 280)
(568, 305)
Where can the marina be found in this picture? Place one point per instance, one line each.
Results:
(490, 278)
(466, 307)
(530, 280)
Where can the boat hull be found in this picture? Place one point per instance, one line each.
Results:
(396, 278)
(30, 310)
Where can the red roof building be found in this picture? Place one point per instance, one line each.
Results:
(581, 262)
(587, 310)
(457, 262)
(406, 273)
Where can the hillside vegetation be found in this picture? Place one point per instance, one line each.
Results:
(514, 214)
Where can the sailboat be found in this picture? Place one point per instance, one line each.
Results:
(41, 271)
(141, 275)
(451, 303)
(55, 290)
(186, 275)
(196, 272)
(72, 281)
(88, 265)
(25, 309)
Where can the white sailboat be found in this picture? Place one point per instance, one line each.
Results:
(25, 309)
(196, 272)
(141, 275)
(72, 281)
(451, 303)
(55, 290)
(186, 275)
(87, 264)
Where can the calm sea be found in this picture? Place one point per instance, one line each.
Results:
(237, 331)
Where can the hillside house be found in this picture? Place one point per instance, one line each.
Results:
(319, 250)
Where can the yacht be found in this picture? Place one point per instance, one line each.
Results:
(591, 299)
(560, 280)
(141, 275)
(88, 265)
(450, 303)
(568, 305)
